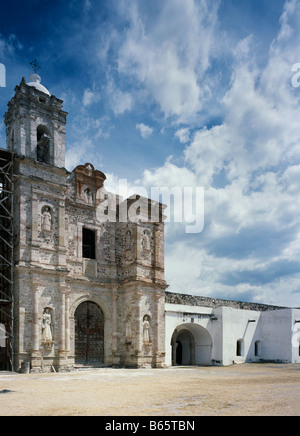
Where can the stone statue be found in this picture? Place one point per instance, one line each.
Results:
(46, 220)
(146, 330)
(89, 196)
(47, 336)
(146, 242)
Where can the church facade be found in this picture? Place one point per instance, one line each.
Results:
(88, 279)
(86, 289)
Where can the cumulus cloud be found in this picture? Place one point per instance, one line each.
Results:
(120, 101)
(183, 135)
(85, 125)
(82, 152)
(144, 130)
(90, 97)
(169, 60)
(247, 161)
(250, 167)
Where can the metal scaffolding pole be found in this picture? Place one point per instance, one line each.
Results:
(6, 261)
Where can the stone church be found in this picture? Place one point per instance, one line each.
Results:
(85, 290)
(82, 282)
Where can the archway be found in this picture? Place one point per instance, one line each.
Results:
(89, 333)
(191, 345)
(185, 348)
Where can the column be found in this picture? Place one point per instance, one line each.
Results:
(35, 333)
(79, 240)
(139, 330)
(67, 321)
(159, 329)
(62, 317)
(61, 255)
(34, 218)
(156, 251)
(34, 249)
(138, 243)
(114, 345)
(61, 224)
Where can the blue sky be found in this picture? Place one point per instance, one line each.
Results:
(188, 93)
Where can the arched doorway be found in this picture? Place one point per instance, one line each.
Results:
(185, 348)
(89, 333)
(191, 345)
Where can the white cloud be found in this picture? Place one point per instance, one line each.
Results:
(9, 45)
(169, 175)
(85, 125)
(183, 135)
(90, 97)
(120, 101)
(249, 163)
(166, 56)
(144, 130)
(81, 152)
(250, 167)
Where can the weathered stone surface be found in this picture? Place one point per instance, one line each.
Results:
(120, 268)
(194, 300)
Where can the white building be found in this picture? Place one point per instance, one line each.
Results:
(206, 331)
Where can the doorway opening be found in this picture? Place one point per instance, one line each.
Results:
(191, 345)
(89, 334)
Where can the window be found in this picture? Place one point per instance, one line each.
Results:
(240, 347)
(257, 348)
(88, 244)
(43, 144)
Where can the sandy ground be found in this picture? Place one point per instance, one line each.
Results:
(250, 389)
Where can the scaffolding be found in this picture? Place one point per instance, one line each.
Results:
(6, 261)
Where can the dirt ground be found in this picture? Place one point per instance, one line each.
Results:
(250, 389)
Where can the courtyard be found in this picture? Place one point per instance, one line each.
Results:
(247, 389)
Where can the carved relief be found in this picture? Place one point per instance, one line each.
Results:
(88, 181)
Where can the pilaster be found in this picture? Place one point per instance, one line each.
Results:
(35, 338)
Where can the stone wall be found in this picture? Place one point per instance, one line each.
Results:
(193, 300)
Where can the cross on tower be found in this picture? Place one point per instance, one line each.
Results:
(35, 65)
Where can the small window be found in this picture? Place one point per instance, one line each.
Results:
(240, 347)
(88, 244)
(257, 349)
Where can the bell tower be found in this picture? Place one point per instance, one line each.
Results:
(35, 130)
(35, 123)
